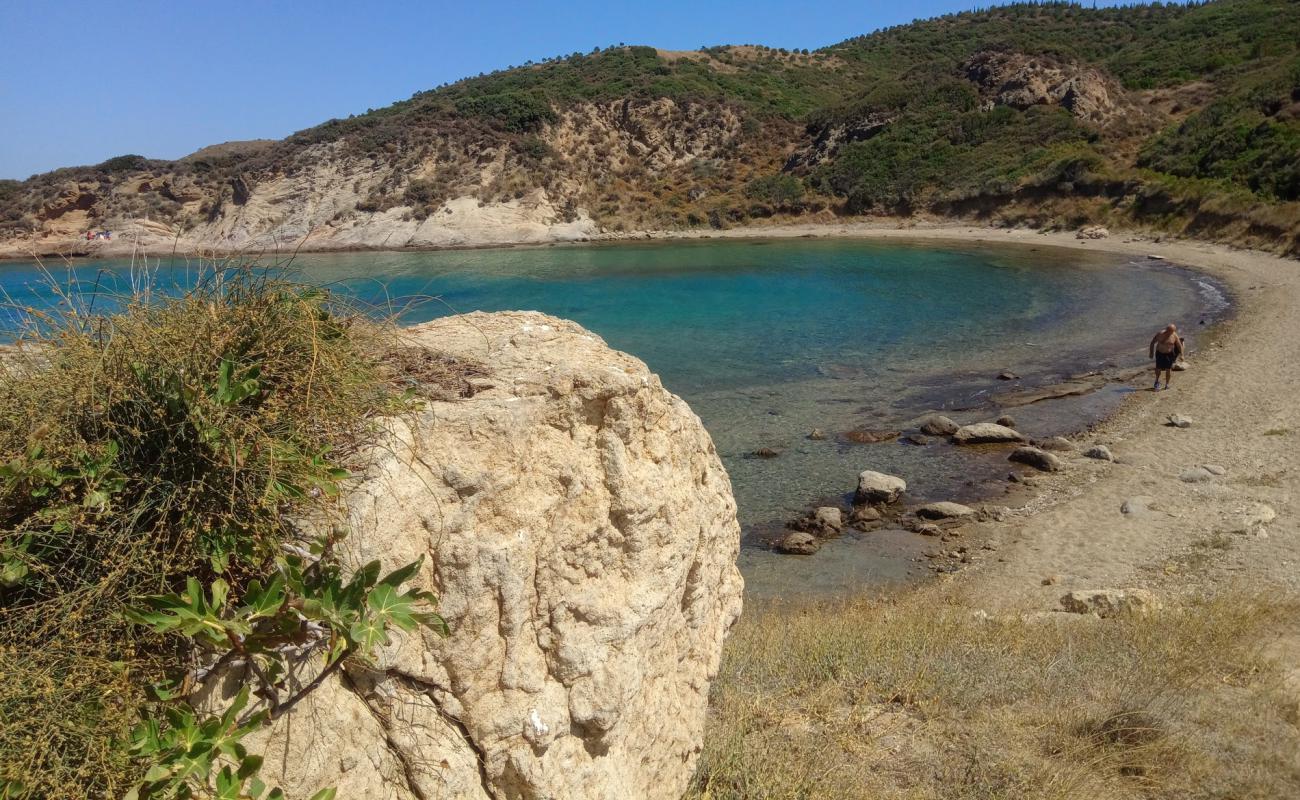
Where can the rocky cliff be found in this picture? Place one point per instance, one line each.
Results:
(580, 531)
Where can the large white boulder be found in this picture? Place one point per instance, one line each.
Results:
(581, 534)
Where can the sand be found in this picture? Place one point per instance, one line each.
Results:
(1240, 391)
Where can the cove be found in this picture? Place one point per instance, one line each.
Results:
(770, 339)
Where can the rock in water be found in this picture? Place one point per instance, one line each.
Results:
(1110, 602)
(824, 521)
(870, 435)
(816, 435)
(1100, 452)
(944, 510)
(1006, 421)
(799, 543)
(1008, 376)
(581, 534)
(862, 516)
(986, 433)
(1038, 459)
(1179, 421)
(877, 488)
(937, 425)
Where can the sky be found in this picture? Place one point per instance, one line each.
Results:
(85, 81)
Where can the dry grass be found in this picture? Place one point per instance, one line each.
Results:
(918, 697)
(174, 437)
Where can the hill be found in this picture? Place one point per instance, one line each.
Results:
(1183, 119)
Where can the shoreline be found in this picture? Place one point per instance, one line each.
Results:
(1069, 532)
(1072, 533)
(921, 229)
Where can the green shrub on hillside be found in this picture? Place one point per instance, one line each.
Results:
(782, 191)
(1244, 139)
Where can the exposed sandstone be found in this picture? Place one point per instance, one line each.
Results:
(581, 534)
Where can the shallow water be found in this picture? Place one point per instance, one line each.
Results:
(768, 340)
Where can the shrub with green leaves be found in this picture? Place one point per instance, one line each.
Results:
(151, 463)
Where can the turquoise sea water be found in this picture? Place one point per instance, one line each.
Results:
(769, 339)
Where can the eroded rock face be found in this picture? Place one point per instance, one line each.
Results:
(1020, 81)
(825, 141)
(596, 139)
(581, 534)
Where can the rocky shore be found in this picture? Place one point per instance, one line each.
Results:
(1190, 479)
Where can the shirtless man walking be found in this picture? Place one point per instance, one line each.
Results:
(1166, 347)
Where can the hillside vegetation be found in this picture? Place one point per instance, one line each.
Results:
(1181, 118)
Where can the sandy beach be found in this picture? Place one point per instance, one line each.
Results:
(1185, 529)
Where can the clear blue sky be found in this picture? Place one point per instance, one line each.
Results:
(84, 81)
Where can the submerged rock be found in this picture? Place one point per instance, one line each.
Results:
(799, 543)
(877, 488)
(870, 435)
(986, 433)
(823, 521)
